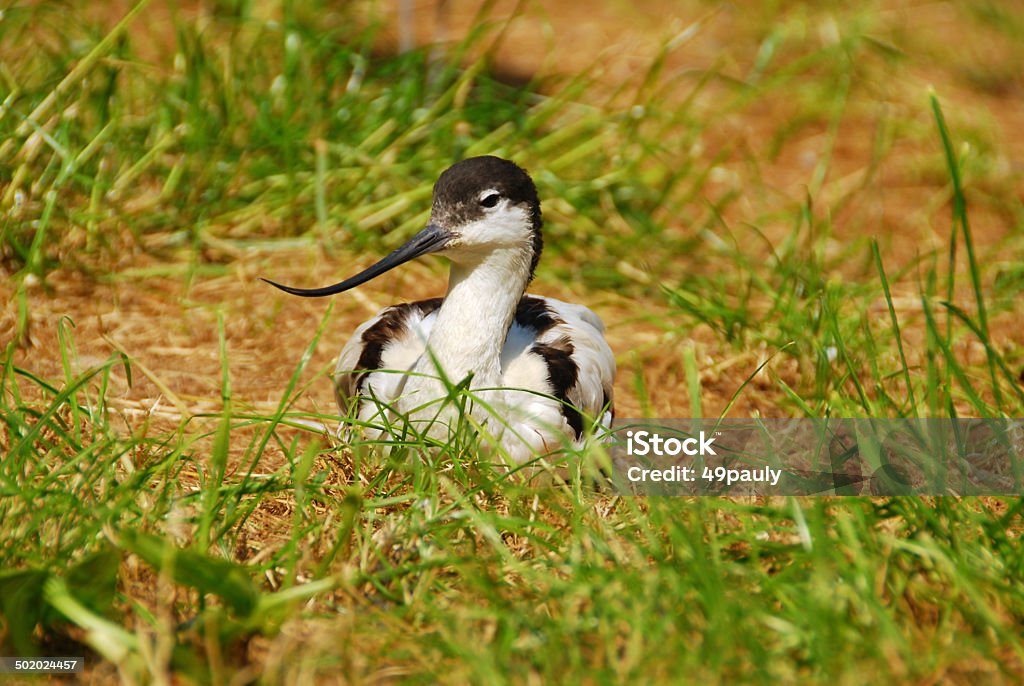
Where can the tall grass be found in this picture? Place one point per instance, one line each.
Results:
(235, 539)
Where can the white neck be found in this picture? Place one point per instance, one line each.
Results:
(475, 317)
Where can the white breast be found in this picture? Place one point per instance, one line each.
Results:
(556, 371)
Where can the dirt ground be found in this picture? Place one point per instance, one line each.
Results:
(170, 327)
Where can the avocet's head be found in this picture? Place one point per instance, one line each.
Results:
(481, 205)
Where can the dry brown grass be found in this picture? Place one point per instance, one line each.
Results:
(769, 151)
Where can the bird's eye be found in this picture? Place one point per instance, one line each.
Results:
(490, 200)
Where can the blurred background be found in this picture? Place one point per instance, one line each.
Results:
(715, 164)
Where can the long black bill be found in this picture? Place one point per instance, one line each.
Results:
(431, 239)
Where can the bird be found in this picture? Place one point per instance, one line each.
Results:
(539, 371)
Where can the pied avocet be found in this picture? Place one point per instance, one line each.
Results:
(541, 366)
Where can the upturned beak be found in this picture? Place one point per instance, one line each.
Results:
(431, 239)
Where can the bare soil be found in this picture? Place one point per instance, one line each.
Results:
(170, 327)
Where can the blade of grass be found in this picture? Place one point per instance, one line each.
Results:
(960, 218)
(897, 334)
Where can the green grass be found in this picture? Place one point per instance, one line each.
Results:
(238, 537)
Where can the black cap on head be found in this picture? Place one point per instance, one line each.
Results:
(457, 201)
(457, 194)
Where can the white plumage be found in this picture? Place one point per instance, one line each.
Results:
(537, 413)
(539, 368)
